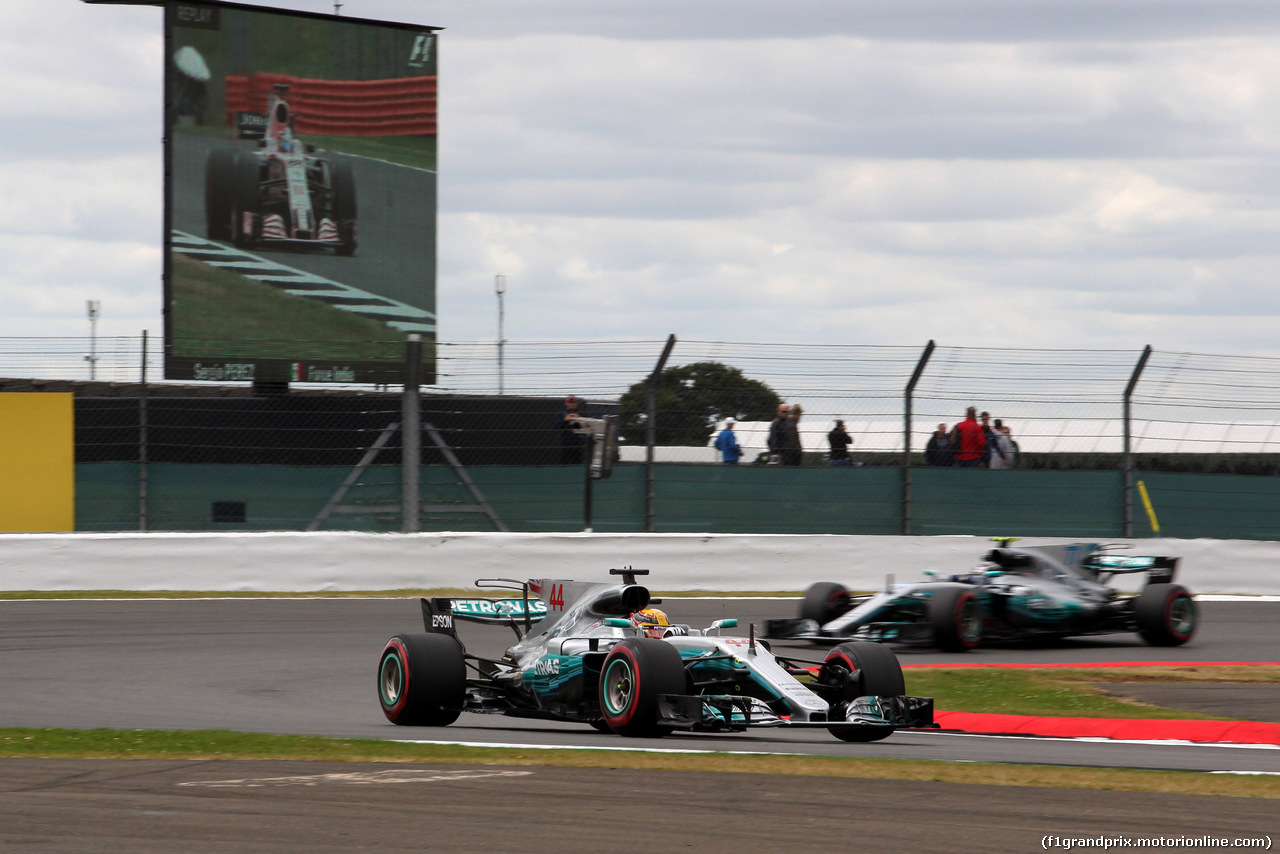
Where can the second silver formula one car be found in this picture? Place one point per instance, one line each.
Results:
(602, 656)
(1015, 593)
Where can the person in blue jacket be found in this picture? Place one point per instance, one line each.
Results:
(727, 444)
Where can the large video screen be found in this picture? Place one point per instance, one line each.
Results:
(300, 193)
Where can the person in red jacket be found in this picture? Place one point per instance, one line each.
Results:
(969, 440)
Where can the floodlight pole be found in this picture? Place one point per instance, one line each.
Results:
(93, 306)
(500, 288)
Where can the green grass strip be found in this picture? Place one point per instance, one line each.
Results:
(223, 744)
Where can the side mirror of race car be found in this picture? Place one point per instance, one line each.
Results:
(618, 622)
(993, 573)
(721, 624)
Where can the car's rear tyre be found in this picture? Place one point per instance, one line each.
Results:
(219, 193)
(861, 669)
(824, 601)
(422, 680)
(1166, 614)
(344, 206)
(247, 222)
(634, 673)
(956, 619)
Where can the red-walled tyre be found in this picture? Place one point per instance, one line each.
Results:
(861, 669)
(1166, 614)
(956, 618)
(634, 673)
(422, 680)
(824, 601)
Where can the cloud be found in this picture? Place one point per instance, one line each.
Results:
(994, 173)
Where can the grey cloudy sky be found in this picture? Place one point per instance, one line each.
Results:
(1022, 173)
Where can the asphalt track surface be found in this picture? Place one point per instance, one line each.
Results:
(307, 666)
(159, 807)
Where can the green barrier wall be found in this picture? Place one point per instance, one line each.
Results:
(689, 499)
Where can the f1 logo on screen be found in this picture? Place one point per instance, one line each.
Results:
(420, 55)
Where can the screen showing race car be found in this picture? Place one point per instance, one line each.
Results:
(300, 195)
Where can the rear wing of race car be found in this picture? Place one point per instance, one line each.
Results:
(439, 612)
(1160, 570)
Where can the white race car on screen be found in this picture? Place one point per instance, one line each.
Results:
(281, 193)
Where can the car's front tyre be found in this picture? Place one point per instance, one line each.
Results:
(634, 674)
(956, 619)
(861, 669)
(824, 601)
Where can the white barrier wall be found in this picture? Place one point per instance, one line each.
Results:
(333, 561)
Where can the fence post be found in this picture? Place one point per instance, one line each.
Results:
(411, 431)
(1128, 432)
(142, 440)
(906, 437)
(651, 435)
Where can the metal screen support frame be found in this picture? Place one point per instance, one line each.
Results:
(1128, 432)
(481, 505)
(906, 436)
(335, 503)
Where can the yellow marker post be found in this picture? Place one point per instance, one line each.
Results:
(1151, 513)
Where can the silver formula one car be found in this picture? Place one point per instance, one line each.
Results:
(601, 655)
(1015, 593)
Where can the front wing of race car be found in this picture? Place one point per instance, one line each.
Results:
(728, 712)
(880, 632)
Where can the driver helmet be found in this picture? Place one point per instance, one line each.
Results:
(652, 622)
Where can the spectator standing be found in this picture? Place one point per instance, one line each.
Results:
(989, 437)
(840, 440)
(789, 436)
(727, 444)
(572, 444)
(774, 441)
(938, 450)
(969, 441)
(1002, 456)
